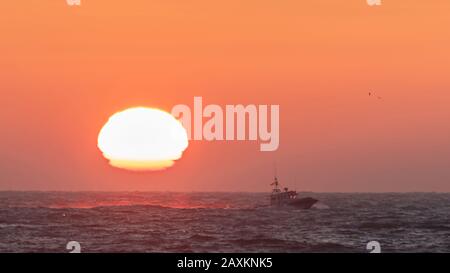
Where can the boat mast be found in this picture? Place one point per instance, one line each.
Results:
(275, 181)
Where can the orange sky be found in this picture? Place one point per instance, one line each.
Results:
(64, 70)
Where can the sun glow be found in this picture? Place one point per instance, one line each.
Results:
(142, 139)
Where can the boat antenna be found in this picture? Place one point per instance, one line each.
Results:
(275, 169)
(275, 181)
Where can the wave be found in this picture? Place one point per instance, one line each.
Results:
(320, 205)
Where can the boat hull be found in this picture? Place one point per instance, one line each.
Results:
(302, 203)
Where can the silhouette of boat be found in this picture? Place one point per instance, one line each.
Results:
(286, 197)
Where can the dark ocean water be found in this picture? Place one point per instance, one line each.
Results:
(222, 222)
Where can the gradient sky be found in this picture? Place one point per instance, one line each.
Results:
(64, 70)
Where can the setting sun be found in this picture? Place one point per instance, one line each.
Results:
(142, 138)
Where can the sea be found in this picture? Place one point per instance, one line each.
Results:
(222, 222)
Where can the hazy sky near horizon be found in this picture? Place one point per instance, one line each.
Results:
(64, 70)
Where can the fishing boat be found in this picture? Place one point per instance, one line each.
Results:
(286, 197)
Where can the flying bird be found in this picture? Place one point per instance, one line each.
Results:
(373, 94)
